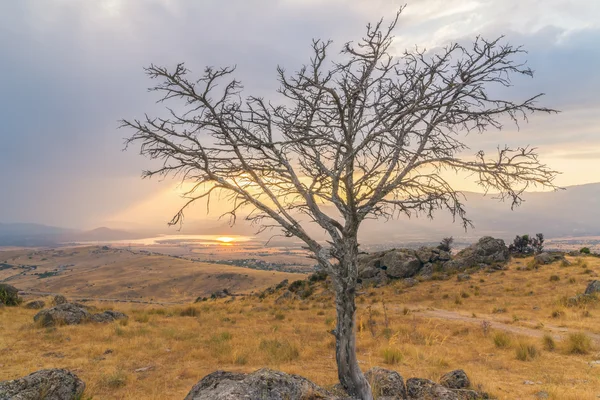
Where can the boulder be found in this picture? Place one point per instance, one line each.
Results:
(264, 384)
(108, 316)
(386, 383)
(592, 287)
(35, 305)
(59, 299)
(9, 295)
(63, 314)
(401, 263)
(487, 251)
(456, 379)
(548, 258)
(424, 389)
(47, 384)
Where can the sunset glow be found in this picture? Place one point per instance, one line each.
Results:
(225, 239)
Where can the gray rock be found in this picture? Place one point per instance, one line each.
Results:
(548, 258)
(108, 316)
(592, 287)
(47, 384)
(386, 383)
(487, 251)
(424, 389)
(59, 299)
(456, 379)
(35, 305)
(400, 263)
(264, 384)
(63, 314)
(9, 295)
(426, 254)
(427, 270)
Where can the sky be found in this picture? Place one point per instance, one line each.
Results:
(70, 69)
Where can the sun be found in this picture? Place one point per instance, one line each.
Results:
(225, 239)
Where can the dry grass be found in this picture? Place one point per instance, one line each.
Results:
(180, 346)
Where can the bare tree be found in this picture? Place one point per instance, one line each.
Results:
(371, 135)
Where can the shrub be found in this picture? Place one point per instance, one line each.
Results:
(464, 295)
(392, 356)
(554, 278)
(115, 380)
(446, 244)
(279, 351)
(501, 339)
(585, 250)
(572, 280)
(578, 343)
(526, 352)
(557, 313)
(527, 245)
(549, 343)
(280, 316)
(498, 310)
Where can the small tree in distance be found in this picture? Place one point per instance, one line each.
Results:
(446, 244)
(369, 135)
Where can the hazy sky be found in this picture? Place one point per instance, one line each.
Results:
(69, 69)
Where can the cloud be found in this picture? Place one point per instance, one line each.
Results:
(71, 68)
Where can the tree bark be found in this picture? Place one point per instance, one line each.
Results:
(349, 372)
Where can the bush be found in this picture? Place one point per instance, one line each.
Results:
(526, 352)
(557, 314)
(549, 343)
(554, 278)
(501, 339)
(115, 380)
(585, 250)
(392, 356)
(579, 343)
(527, 245)
(446, 244)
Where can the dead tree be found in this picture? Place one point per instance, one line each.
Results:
(370, 135)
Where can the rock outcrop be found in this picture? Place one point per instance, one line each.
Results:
(9, 295)
(548, 258)
(264, 384)
(456, 379)
(35, 305)
(424, 389)
(47, 384)
(63, 314)
(593, 287)
(74, 314)
(108, 316)
(59, 299)
(486, 252)
(386, 383)
(383, 266)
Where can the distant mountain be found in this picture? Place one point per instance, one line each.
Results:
(104, 234)
(31, 235)
(571, 212)
(574, 211)
(27, 234)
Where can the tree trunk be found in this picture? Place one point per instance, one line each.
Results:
(349, 373)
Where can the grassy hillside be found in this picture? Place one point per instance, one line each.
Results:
(117, 273)
(511, 331)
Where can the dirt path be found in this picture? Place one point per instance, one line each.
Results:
(556, 331)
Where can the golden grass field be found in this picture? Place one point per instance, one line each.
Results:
(180, 344)
(118, 273)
